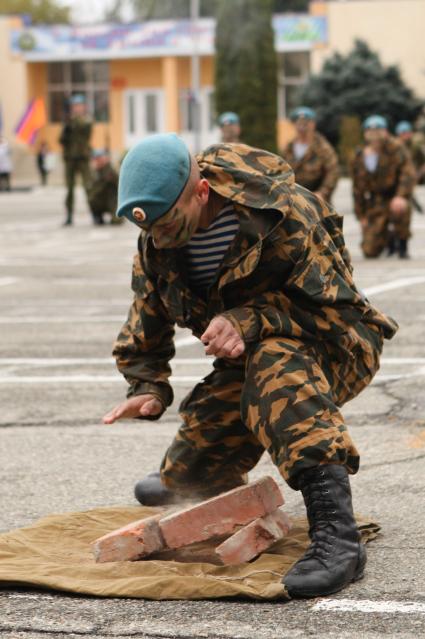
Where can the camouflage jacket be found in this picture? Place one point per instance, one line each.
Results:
(75, 138)
(394, 175)
(318, 169)
(416, 148)
(287, 267)
(103, 190)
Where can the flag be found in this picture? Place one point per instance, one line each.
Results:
(33, 119)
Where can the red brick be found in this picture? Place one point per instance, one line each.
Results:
(221, 515)
(135, 541)
(253, 539)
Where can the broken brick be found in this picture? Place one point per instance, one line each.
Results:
(221, 515)
(134, 541)
(253, 539)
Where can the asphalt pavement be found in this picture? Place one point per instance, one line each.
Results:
(64, 293)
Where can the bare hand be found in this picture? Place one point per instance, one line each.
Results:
(222, 339)
(138, 406)
(398, 205)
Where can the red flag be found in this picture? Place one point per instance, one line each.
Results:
(33, 119)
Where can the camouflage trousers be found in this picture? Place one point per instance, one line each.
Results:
(72, 169)
(381, 225)
(283, 398)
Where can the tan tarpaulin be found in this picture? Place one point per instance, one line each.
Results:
(55, 553)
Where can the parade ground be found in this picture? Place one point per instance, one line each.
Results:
(64, 294)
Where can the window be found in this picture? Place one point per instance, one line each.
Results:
(294, 69)
(89, 78)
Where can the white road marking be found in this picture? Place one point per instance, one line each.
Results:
(368, 605)
(390, 286)
(188, 340)
(86, 379)
(63, 320)
(6, 281)
(77, 361)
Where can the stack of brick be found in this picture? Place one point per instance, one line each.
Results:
(232, 528)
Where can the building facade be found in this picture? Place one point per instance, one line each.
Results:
(137, 77)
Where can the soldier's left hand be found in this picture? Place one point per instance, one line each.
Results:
(398, 205)
(222, 339)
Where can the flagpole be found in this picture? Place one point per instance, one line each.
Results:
(195, 75)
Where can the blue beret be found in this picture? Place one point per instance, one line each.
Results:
(403, 127)
(78, 98)
(153, 175)
(303, 112)
(375, 122)
(228, 118)
(99, 153)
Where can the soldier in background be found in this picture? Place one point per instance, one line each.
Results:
(75, 140)
(310, 155)
(383, 182)
(415, 144)
(102, 194)
(230, 126)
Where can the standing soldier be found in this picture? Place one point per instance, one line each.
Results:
(230, 126)
(383, 182)
(75, 140)
(310, 155)
(102, 194)
(256, 266)
(415, 144)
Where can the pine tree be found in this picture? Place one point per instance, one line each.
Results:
(246, 70)
(358, 84)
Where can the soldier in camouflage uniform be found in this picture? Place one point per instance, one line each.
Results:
(103, 191)
(415, 144)
(383, 182)
(230, 127)
(75, 140)
(293, 337)
(312, 158)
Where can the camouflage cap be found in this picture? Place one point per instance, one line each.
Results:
(152, 177)
(229, 117)
(375, 122)
(403, 127)
(302, 112)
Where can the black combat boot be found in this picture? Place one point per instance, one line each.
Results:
(402, 250)
(391, 246)
(150, 491)
(68, 219)
(336, 556)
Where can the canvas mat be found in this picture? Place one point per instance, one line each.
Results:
(55, 553)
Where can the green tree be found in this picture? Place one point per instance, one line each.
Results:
(246, 69)
(358, 84)
(40, 11)
(285, 6)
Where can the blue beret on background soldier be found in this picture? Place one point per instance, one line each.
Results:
(383, 182)
(230, 126)
(256, 267)
(75, 140)
(414, 142)
(310, 155)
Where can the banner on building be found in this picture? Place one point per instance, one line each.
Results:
(152, 38)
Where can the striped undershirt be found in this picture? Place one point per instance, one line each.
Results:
(206, 249)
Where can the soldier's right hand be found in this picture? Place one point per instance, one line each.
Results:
(139, 406)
